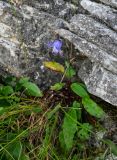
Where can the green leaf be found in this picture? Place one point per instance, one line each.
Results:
(81, 146)
(79, 90)
(92, 108)
(7, 90)
(2, 110)
(85, 131)
(15, 149)
(67, 64)
(51, 113)
(112, 145)
(24, 157)
(36, 109)
(10, 136)
(20, 83)
(23, 80)
(75, 157)
(70, 72)
(54, 66)
(62, 141)
(69, 128)
(57, 86)
(10, 80)
(18, 87)
(4, 103)
(16, 99)
(83, 85)
(1, 87)
(76, 106)
(32, 89)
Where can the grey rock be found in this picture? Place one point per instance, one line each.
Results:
(58, 8)
(92, 51)
(112, 3)
(101, 78)
(95, 32)
(105, 13)
(24, 32)
(111, 157)
(99, 81)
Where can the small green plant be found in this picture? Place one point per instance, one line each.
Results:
(70, 72)
(74, 127)
(56, 124)
(57, 86)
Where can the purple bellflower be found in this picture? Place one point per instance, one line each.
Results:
(56, 46)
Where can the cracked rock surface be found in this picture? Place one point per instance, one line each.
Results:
(90, 26)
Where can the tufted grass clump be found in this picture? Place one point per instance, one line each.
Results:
(56, 124)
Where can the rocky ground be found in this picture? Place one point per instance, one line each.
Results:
(88, 31)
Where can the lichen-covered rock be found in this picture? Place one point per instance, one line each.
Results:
(97, 40)
(90, 50)
(112, 3)
(101, 77)
(23, 33)
(95, 32)
(59, 8)
(105, 13)
(99, 81)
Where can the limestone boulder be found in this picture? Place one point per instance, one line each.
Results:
(24, 34)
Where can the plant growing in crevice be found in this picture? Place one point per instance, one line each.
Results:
(55, 124)
(74, 130)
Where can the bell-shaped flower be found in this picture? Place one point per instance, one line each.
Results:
(56, 47)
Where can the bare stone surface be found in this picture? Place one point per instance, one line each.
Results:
(92, 51)
(99, 81)
(95, 32)
(105, 13)
(112, 3)
(23, 33)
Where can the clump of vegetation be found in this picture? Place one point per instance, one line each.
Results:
(52, 125)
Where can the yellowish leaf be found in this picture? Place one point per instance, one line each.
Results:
(54, 66)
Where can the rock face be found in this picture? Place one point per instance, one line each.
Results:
(105, 13)
(99, 80)
(25, 30)
(112, 3)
